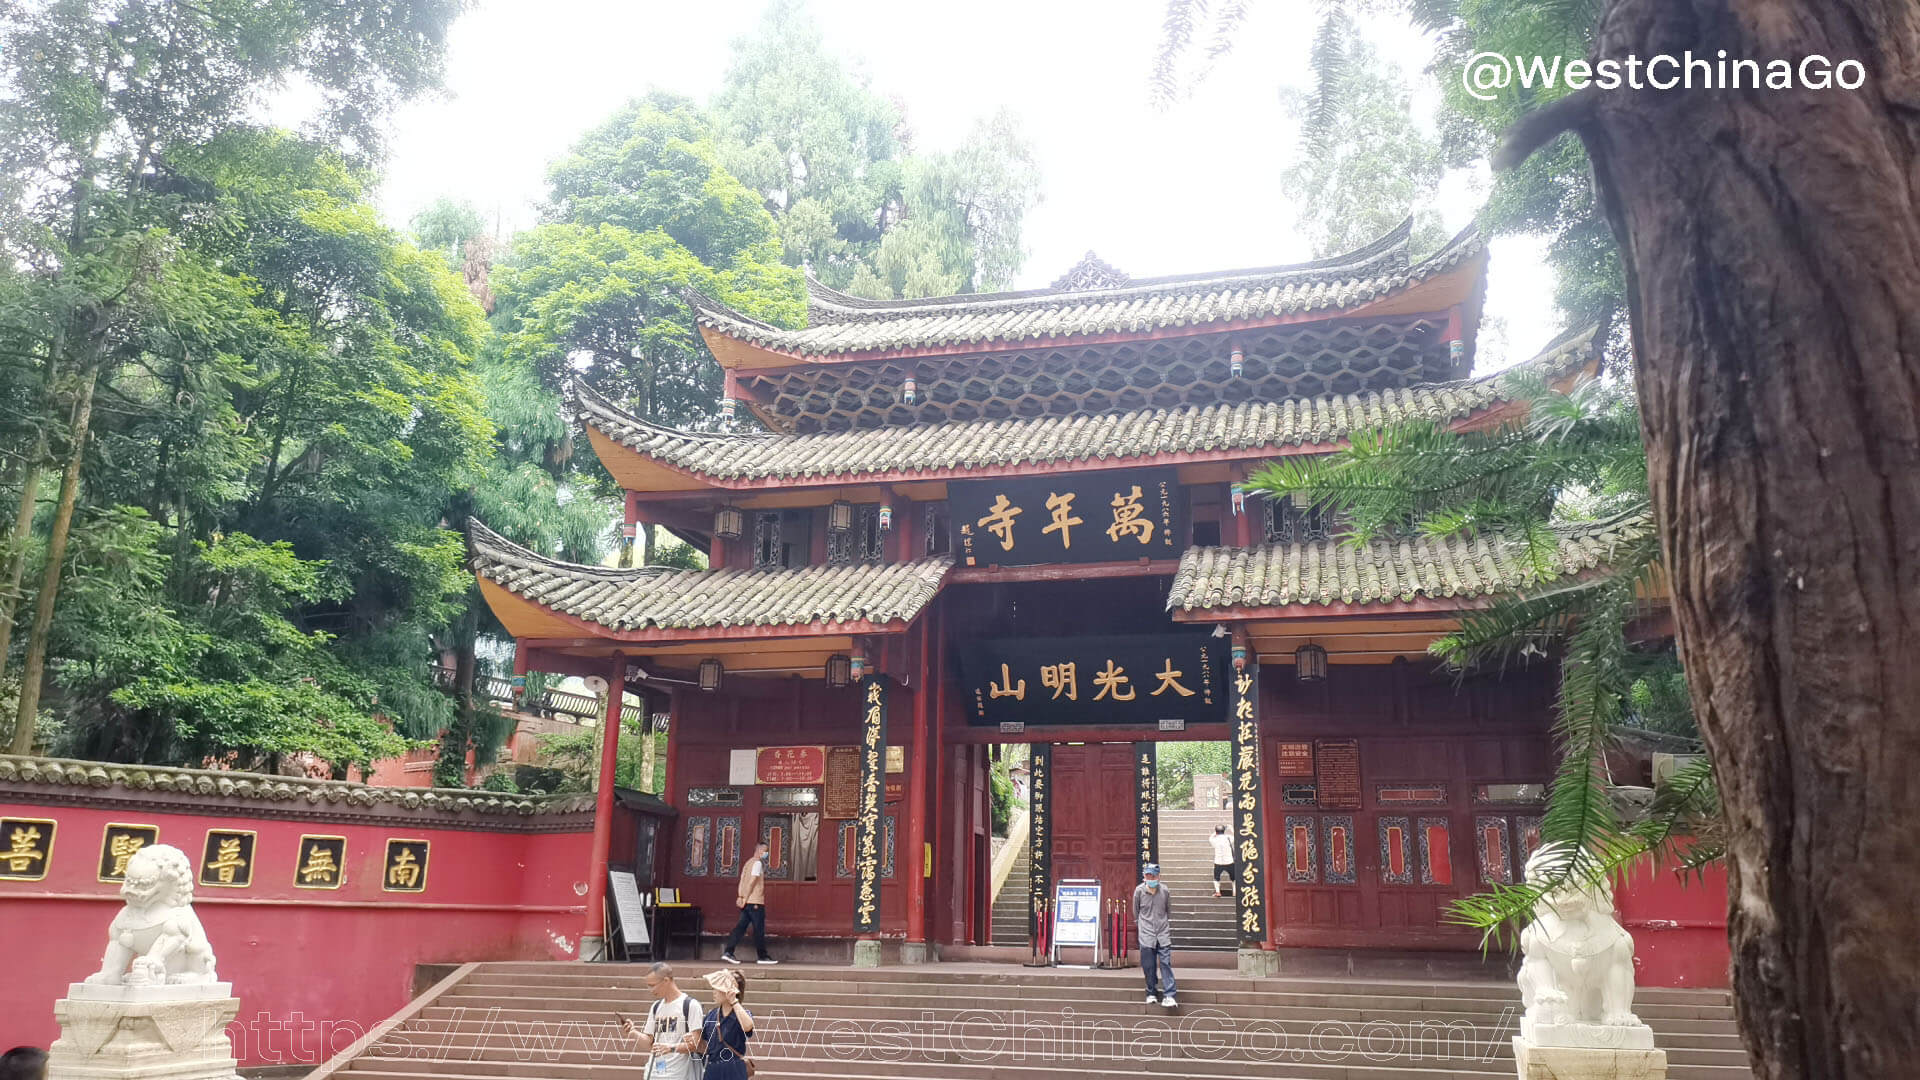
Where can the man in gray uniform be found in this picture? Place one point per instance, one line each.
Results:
(1153, 915)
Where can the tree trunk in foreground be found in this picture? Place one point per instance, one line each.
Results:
(33, 668)
(1772, 245)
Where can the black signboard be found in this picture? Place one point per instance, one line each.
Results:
(1039, 837)
(1096, 680)
(1249, 842)
(1068, 517)
(873, 778)
(1146, 805)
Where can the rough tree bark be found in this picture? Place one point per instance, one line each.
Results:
(1772, 245)
(33, 668)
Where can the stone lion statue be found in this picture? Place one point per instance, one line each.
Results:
(1578, 966)
(156, 939)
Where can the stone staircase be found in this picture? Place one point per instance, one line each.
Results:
(1186, 865)
(554, 1021)
(1200, 922)
(1010, 907)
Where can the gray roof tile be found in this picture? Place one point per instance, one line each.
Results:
(1384, 570)
(659, 598)
(958, 446)
(839, 323)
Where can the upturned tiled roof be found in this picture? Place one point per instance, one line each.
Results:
(659, 598)
(1385, 570)
(956, 447)
(838, 323)
(292, 792)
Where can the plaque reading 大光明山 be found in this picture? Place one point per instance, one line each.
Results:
(1068, 517)
(1095, 680)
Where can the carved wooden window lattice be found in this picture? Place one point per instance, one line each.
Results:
(864, 543)
(936, 532)
(1289, 521)
(767, 550)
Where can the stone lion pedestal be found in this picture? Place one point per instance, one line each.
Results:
(158, 1032)
(1576, 983)
(155, 1010)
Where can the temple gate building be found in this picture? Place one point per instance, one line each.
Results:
(1021, 518)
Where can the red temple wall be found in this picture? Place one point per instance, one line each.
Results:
(314, 969)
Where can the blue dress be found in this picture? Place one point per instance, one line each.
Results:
(726, 1045)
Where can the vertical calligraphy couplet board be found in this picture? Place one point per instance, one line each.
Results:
(873, 778)
(1146, 804)
(1039, 836)
(1248, 839)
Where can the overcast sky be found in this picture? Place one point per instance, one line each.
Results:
(1189, 188)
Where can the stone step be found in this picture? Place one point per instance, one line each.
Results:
(555, 1021)
(1353, 1008)
(586, 1029)
(1218, 1048)
(996, 979)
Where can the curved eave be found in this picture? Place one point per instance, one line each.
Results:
(639, 472)
(828, 304)
(524, 619)
(1438, 293)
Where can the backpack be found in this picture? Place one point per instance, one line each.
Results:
(696, 1063)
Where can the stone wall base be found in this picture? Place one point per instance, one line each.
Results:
(915, 952)
(866, 953)
(1587, 1063)
(1259, 963)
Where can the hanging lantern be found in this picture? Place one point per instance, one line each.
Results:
(886, 516)
(710, 674)
(1239, 499)
(629, 530)
(729, 522)
(1239, 658)
(909, 390)
(726, 410)
(857, 666)
(1456, 349)
(839, 670)
(840, 516)
(1237, 361)
(1310, 663)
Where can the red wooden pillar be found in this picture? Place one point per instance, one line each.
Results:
(912, 861)
(593, 939)
(1243, 519)
(673, 744)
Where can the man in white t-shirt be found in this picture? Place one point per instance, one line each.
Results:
(1222, 843)
(672, 1024)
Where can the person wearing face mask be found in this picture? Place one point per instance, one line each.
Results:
(1153, 916)
(751, 896)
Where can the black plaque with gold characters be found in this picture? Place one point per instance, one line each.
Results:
(1068, 518)
(322, 863)
(405, 869)
(118, 842)
(1248, 838)
(226, 859)
(1039, 836)
(867, 826)
(1135, 679)
(26, 848)
(1146, 804)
